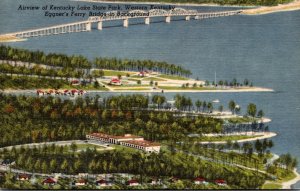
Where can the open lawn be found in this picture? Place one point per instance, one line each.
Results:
(241, 119)
(83, 147)
(227, 138)
(153, 79)
(88, 87)
(172, 77)
(271, 186)
(116, 73)
(181, 88)
(135, 89)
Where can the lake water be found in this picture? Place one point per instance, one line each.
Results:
(264, 49)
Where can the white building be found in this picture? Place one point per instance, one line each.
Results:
(113, 139)
(127, 140)
(147, 146)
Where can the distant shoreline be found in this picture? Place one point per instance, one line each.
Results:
(264, 135)
(163, 3)
(7, 38)
(251, 10)
(293, 6)
(154, 91)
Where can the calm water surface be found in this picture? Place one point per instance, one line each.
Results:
(264, 49)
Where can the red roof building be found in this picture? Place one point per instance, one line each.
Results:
(220, 182)
(81, 182)
(133, 182)
(50, 181)
(144, 145)
(199, 180)
(115, 81)
(103, 183)
(75, 82)
(23, 177)
(111, 138)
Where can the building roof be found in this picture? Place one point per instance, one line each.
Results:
(199, 179)
(143, 143)
(115, 80)
(24, 176)
(102, 135)
(102, 181)
(81, 181)
(132, 181)
(49, 181)
(220, 181)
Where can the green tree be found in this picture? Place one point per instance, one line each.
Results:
(251, 110)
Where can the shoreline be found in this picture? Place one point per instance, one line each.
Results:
(292, 6)
(163, 3)
(264, 136)
(5, 39)
(152, 91)
(289, 184)
(250, 9)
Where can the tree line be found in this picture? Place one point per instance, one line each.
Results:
(64, 159)
(26, 119)
(140, 65)
(40, 71)
(80, 62)
(39, 57)
(25, 82)
(223, 2)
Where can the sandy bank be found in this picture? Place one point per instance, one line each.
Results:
(262, 135)
(9, 38)
(288, 184)
(295, 5)
(158, 90)
(163, 3)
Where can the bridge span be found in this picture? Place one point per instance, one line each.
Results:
(86, 25)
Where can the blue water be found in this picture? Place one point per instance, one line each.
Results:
(264, 49)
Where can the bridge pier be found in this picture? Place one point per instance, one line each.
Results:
(187, 18)
(99, 26)
(88, 26)
(125, 23)
(168, 19)
(147, 20)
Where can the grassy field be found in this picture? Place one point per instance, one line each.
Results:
(283, 176)
(116, 73)
(181, 88)
(135, 89)
(153, 79)
(81, 147)
(241, 119)
(88, 87)
(172, 77)
(227, 138)
(271, 186)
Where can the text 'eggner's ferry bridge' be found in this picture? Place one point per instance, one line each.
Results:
(86, 25)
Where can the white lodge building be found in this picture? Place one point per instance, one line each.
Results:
(127, 140)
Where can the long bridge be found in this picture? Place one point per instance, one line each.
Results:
(86, 25)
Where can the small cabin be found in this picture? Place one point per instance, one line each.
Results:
(221, 182)
(133, 182)
(23, 177)
(49, 181)
(81, 182)
(200, 180)
(115, 81)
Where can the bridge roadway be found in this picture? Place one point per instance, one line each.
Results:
(86, 25)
